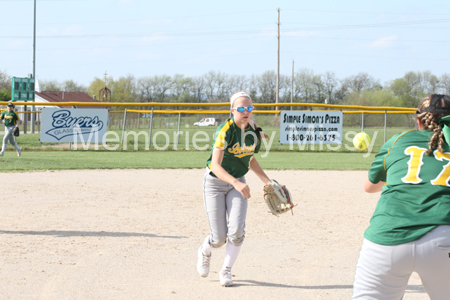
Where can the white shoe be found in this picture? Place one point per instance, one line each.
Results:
(203, 263)
(19, 152)
(225, 278)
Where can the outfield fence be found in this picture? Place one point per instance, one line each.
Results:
(168, 116)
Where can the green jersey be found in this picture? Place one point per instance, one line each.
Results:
(10, 118)
(416, 197)
(239, 147)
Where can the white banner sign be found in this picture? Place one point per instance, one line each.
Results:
(70, 125)
(311, 127)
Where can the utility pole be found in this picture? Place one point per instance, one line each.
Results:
(292, 84)
(278, 60)
(33, 115)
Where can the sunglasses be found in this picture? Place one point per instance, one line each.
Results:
(241, 109)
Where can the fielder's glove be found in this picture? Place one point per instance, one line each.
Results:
(278, 198)
(16, 131)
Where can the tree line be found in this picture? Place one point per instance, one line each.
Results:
(308, 87)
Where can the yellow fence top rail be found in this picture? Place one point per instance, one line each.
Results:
(255, 111)
(204, 111)
(153, 104)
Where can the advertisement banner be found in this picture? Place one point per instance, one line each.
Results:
(311, 127)
(70, 125)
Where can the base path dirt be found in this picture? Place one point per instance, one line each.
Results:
(134, 234)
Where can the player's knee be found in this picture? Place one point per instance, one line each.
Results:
(218, 241)
(236, 238)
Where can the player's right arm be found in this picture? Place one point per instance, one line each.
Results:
(216, 168)
(370, 187)
(378, 172)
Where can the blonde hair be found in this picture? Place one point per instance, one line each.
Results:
(429, 120)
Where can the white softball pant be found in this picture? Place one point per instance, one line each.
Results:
(226, 209)
(382, 272)
(9, 138)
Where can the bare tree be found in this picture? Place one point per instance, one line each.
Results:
(267, 86)
(216, 86)
(199, 88)
(72, 86)
(182, 87)
(319, 88)
(146, 89)
(285, 88)
(330, 82)
(428, 82)
(50, 85)
(444, 81)
(253, 86)
(237, 83)
(304, 87)
(359, 82)
(5, 81)
(163, 85)
(221, 83)
(210, 85)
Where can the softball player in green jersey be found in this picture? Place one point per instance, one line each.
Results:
(225, 191)
(410, 228)
(11, 120)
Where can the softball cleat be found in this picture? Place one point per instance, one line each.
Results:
(203, 263)
(225, 278)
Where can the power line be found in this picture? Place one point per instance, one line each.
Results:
(367, 56)
(132, 46)
(366, 39)
(141, 61)
(226, 40)
(142, 20)
(197, 33)
(363, 12)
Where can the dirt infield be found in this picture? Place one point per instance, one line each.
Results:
(134, 234)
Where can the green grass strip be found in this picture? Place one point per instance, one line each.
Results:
(76, 160)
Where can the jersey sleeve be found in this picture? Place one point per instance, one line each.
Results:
(3, 115)
(377, 171)
(223, 136)
(17, 116)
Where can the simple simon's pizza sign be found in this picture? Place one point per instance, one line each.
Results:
(311, 127)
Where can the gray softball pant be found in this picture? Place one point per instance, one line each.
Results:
(226, 209)
(9, 137)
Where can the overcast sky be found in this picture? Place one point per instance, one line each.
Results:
(81, 39)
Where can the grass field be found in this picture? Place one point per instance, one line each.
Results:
(47, 156)
(72, 160)
(162, 137)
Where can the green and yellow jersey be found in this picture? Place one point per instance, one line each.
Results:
(10, 118)
(239, 147)
(416, 197)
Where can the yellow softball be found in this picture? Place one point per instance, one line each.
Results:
(361, 141)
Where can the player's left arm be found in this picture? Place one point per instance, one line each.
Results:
(370, 187)
(256, 168)
(18, 122)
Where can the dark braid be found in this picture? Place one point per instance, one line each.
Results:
(430, 121)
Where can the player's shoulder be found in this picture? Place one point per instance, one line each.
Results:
(406, 135)
(413, 136)
(226, 126)
(408, 138)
